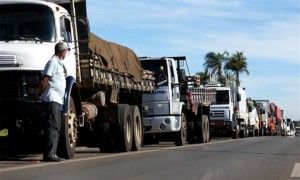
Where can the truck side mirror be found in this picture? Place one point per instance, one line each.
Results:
(238, 97)
(83, 30)
(181, 75)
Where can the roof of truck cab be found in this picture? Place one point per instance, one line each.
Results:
(41, 2)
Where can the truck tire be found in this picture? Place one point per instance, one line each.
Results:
(242, 133)
(200, 131)
(256, 132)
(236, 133)
(180, 136)
(206, 128)
(137, 128)
(124, 129)
(247, 133)
(191, 138)
(68, 133)
(199, 126)
(261, 132)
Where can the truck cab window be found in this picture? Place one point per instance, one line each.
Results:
(160, 69)
(172, 72)
(26, 22)
(65, 29)
(222, 97)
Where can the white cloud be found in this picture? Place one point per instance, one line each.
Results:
(283, 90)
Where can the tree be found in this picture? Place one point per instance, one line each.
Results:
(204, 77)
(237, 63)
(214, 62)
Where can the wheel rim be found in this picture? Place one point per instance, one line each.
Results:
(72, 130)
(128, 129)
(207, 130)
(137, 129)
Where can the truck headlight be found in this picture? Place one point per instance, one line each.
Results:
(167, 120)
(162, 108)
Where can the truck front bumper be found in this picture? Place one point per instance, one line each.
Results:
(20, 111)
(161, 124)
(221, 126)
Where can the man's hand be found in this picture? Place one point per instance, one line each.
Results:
(43, 84)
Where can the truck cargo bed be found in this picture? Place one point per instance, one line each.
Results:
(114, 65)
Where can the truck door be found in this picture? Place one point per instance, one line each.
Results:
(66, 35)
(174, 89)
(65, 29)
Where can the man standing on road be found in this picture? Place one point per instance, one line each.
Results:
(51, 91)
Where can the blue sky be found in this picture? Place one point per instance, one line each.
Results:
(267, 31)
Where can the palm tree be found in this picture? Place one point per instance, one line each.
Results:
(214, 62)
(238, 64)
(204, 77)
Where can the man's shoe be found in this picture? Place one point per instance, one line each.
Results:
(53, 159)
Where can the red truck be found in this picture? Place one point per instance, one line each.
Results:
(274, 119)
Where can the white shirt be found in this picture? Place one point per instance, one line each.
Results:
(55, 90)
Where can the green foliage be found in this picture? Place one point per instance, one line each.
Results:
(237, 63)
(214, 62)
(4, 132)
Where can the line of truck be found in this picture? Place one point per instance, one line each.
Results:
(114, 100)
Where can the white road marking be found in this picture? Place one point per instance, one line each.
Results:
(107, 156)
(296, 171)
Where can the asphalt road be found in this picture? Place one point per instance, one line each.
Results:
(252, 158)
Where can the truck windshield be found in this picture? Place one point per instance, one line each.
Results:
(27, 22)
(160, 69)
(222, 97)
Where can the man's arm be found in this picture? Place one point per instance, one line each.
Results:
(43, 84)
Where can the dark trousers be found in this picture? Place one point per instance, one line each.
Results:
(52, 128)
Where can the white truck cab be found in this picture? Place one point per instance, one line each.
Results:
(164, 105)
(228, 116)
(33, 26)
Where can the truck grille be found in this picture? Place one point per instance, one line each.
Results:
(218, 114)
(7, 59)
(10, 87)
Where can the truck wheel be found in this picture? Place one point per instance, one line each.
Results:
(124, 129)
(191, 138)
(260, 132)
(68, 133)
(235, 134)
(256, 132)
(137, 128)
(180, 136)
(247, 133)
(242, 133)
(200, 131)
(206, 128)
